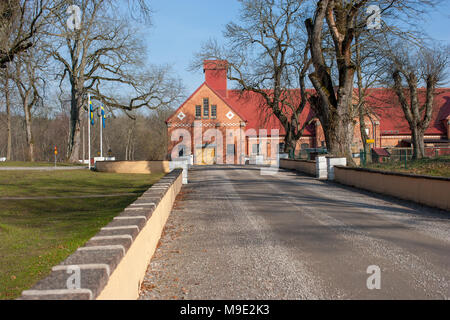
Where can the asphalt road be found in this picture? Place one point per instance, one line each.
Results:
(237, 234)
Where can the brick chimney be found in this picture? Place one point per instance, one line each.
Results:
(216, 75)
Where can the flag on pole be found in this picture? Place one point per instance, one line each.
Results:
(103, 116)
(91, 112)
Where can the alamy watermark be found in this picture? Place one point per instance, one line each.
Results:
(209, 147)
(73, 281)
(374, 17)
(374, 280)
(74, 20)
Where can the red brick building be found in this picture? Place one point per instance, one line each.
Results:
(240, 119)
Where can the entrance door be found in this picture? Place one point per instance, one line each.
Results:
(208, 155)
(205, 155)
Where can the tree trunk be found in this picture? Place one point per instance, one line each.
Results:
(361, 102)
(339, 137)
(128, 145)
(364, 137)
(29, 134)
(413, 112)
(362, 129)
(289, 143)
(338, 131)
(335, 108)
(8, 120)
(418, 144)
(73, 148)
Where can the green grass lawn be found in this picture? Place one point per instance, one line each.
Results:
(430, 166)
(38, 164)
(38, 234)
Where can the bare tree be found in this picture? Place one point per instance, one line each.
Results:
(334, 109)
(334, 105)
(6, 89)
(20, 22)
(268, 56)
(29, 83)
(409, 69)
(369, 63)
(106, 58)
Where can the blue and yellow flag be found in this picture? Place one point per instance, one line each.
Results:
(103, 116)
(91, 112)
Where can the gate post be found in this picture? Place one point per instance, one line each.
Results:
(321, 168)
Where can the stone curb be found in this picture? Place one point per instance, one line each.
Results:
(96, 261)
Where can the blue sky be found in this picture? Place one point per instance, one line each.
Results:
(180, 27)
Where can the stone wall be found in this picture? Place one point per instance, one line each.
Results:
(112, 264)
(430, 191)
(304, 166)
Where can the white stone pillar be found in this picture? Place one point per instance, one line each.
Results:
(183, 164)
(321, 167)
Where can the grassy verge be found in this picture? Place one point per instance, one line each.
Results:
(38, 164)
(37, 234)
(430, 166)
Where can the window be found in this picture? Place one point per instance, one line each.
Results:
(255, 148)
(198, 111)
(205, 108)
(281, 147)
(213, 111)
(230, 149)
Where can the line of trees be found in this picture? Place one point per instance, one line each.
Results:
(143, 137)
(333, 46)
(52, 57)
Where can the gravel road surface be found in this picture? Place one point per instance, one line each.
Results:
(237, 234)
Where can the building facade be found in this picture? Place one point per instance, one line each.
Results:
(219, 125)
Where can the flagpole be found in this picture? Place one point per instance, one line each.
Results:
(101, 135)
(89, 130)
(84, 142)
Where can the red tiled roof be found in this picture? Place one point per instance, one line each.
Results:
(384, 103)
(251, 106)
